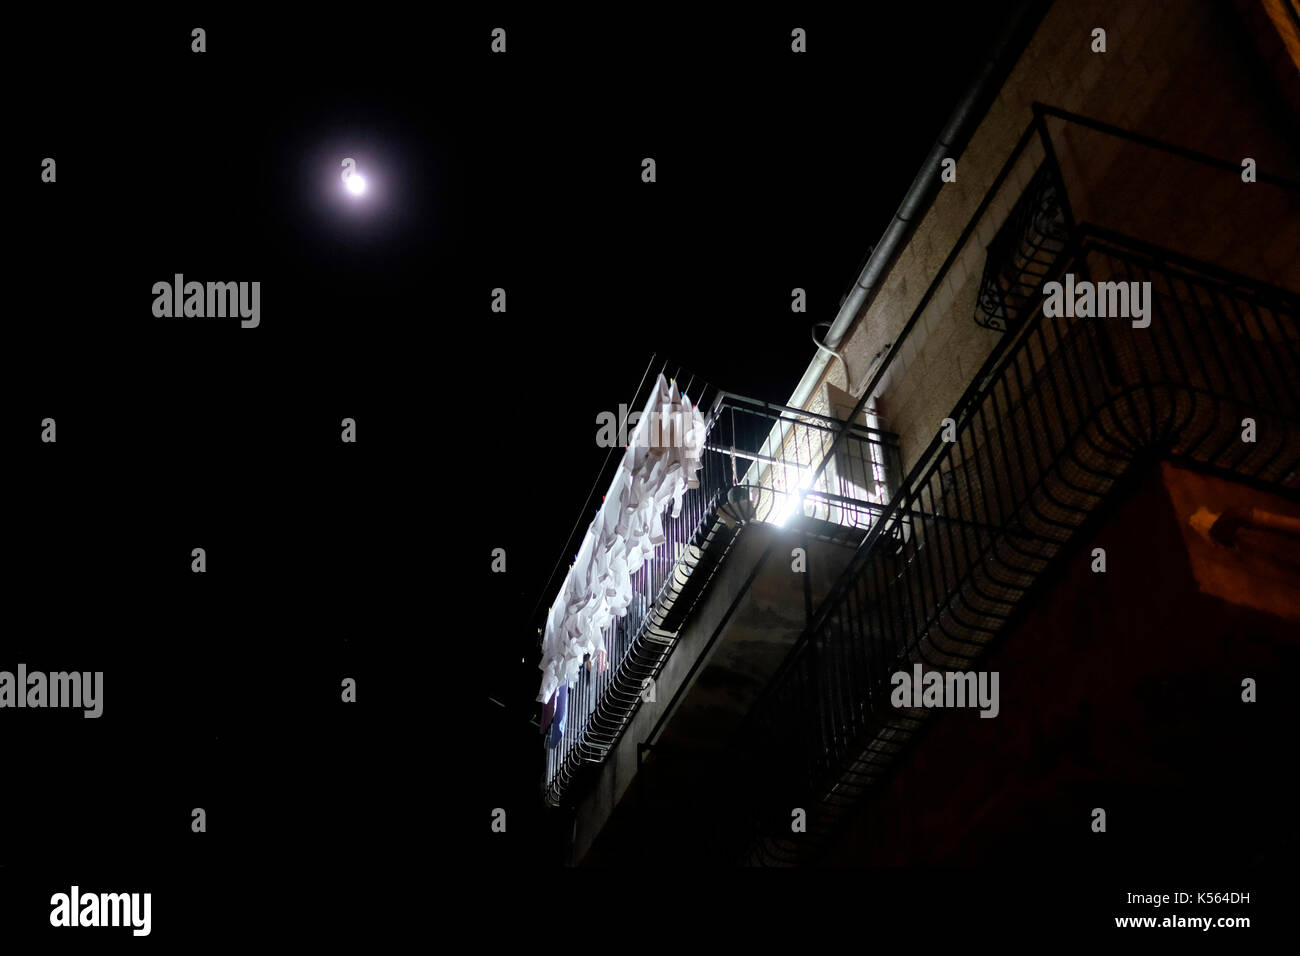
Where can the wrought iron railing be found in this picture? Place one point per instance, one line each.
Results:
(757, 461)
(1059, 413)
(774, 451)
(1022, 252)
(1044, 434)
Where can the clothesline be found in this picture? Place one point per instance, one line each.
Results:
(659, 465)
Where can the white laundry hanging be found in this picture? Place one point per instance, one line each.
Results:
(658, 466)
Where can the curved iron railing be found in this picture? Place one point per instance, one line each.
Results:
(1052, 422)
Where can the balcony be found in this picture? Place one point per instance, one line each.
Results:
(757, 470)
(1047, 430)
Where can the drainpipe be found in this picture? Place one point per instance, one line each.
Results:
(952, 140)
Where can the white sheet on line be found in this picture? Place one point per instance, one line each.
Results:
(624, 534)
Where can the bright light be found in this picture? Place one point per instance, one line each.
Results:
(790, 506)
(787, 510)
(356, 185)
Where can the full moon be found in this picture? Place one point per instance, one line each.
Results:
(356, 185)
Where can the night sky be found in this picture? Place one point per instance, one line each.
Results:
(477, 430)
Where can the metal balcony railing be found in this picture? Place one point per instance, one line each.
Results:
(757, 464)
(1022, 252)
(1057, 416)
(1043, 437)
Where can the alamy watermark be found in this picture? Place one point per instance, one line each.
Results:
(662, 431)
(75, 908)
(73, 689)
(946, 689)
(212, 300)
(1101, 300)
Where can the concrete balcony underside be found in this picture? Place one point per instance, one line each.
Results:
(736, 637)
